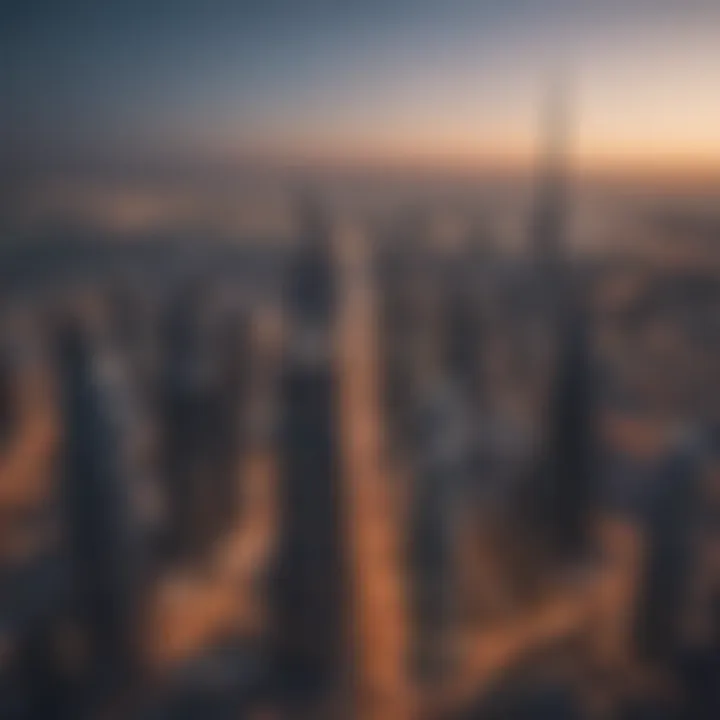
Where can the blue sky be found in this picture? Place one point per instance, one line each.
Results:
(350, 79)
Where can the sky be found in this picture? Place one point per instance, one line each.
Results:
(353, 81)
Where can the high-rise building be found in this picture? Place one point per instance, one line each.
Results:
(440, 479)
(226, 433)
(407, 285)
(463, 336)
(44, 685)
(549, 215)
(567, 484)
(664, 592)
(564, 495)
(35, 683)
(398, 326)
(187, 433)
(7, 397)
(310, 597)
(99, 529)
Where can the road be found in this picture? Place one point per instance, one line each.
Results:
(378, 614)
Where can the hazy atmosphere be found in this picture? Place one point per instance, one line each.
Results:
(359, 360)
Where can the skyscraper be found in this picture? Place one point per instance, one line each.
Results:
(665, 584)
(549, 214)
(7, 397)
(41, 678)
(564, 495)
(462, 335)
(440, 478)
(226, 432)
(98, 513)
(567, 484)
(398, 326)
(310, 598)
(186, 397)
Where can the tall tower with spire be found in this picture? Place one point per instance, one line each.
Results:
(565, 482)
(550, 203)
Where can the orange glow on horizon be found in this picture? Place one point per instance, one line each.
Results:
(671, 163)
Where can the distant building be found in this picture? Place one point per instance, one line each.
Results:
(550, 209)
(396, 324)
(462, 329)
(409, 302)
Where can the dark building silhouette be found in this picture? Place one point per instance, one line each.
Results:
(34, 684)
(18, 355)
(566, 486)
(671, 516)
(550, 205)
(227, 680)
(463, 335)
(226, 432)
(133, 321)
(310, 600)
(397, 324)
(44, 684)
(406, 276)
(699, 671)
(7, 398)
(188, 399)
(440, 478)
(565, 493)
(98, 515)
(310, 596)
(124, 305)
(529, 699)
